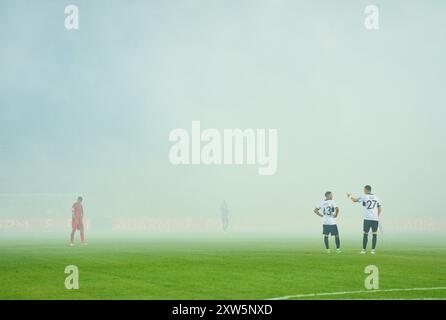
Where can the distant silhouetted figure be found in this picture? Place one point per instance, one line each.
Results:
(224, 215)
(76, 221)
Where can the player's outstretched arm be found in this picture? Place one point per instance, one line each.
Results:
(349, 195)
(316, 211)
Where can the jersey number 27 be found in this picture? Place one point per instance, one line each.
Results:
(370, 204)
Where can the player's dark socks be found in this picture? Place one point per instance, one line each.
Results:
(326, 242)
(374, 238)
(365, 239)
(338, 242)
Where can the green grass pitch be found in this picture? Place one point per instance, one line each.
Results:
(216, 269)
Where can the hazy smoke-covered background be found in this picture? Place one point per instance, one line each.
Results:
(89, 112)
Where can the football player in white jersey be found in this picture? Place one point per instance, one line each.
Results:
(329, 213)
(371, 210)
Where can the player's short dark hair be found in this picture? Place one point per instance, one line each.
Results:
(368, 188)
(327, 193)
(79, 198)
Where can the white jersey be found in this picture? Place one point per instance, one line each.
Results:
(328, 209)
(370, 204)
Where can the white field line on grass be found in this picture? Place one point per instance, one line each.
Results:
(402, 299)
(353, 292)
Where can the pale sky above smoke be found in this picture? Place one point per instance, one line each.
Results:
(90, 111)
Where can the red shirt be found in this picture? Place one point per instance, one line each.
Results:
(77, 210)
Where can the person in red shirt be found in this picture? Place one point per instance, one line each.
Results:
(76, 222)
